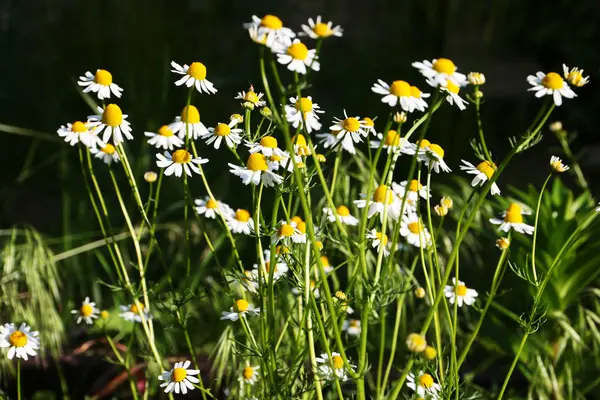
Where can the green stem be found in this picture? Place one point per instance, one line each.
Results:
(513, 365)
(535, 226)
(480, 130)
(18, 378)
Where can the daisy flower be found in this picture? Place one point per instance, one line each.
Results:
(165, 138)
(351, 125)
(303, 113)
(392, 143)
(267, 146)
(476, 78)
(87, 312)
(513, 218)
(239, 310)
(369, 126)
(107, 153)
(297, 56)
(100, 83)
(416, 342)
(269, 29)
(193, 75)
(483, 171)
(327, 267)
(290, 231)
(179, 161)
(257, 170)
(502, 243)
(557, 165)
(281, 267)
(413, 230)
(452, 91)
(227, 132)
(382, 197)
(180, 378)
(418, 99)
(439, 71)
(210, 208)
(189, 123)
(351, 327)
(434, 155)
(550, 84)
(21, 342)
(132, 313)
(112, 122)
(329, 140)
(398, 93)
(423, 384)
(460, 293)
(337, 362)
(320, 30)
(415, 190)
(79, 132)
(249, 375)
(378, 240)
(575, 76)
(251, 99)
(343, 214)
(241, 222)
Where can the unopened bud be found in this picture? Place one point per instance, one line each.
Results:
(556, 126)
(237, 117)
(266, 112)
(150, 176)
(419, 293)
(476, 78)
(441, 210)
(400, 117)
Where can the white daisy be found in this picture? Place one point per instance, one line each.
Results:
(257, 170)
(414, 231)
(251, 98)
(439, 71)
(87, 312)
(249, 375)
(575, 76)
(189, 122)
(483, 171)
(369, 126)
(415, 190)
(179, 378)
(392, 143)
(210, 208)
(239, 310)
(296, 232)
(193, 75)
(227, 132)
(303, 113)
(513, 218)
(132, 313)
(550, 84)
(352, 125)
(434, 154)
(281, 267)
(297, 56)
(557, 165)
(334, 368)
(460, 293)
(112, 122)
(269, 30)
(21, 342)
(378, 240)
(320, 30)
(79, 132)
(452, 91)
(332, 139)
(165, 138)
(419, 98)
(267, 146)
(343, 214)
(351, 327)
(381, 196)
(108, 154)
(100, 83)
(423, 384)
(241, 222)
(178, 162)
(398, 93)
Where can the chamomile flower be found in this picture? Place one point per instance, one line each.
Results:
(460, 293)
(327, 267)
(419, 97)
(351, 125)
(334, 368)
(575, 76)
(241, 222)
(423, 384)
(210, 208)
(290, 232)
(249, 375)
(414, 231)
(503, 243)
(557, 165)
(332, 139)
(269, 29)
(369, 126)
(483, 171)
(165, 138)
(110, 121)
(303, 113)
(550, 84)
(301, 147)
(416, 342)
(193, 75)
(392, 143)
(351, 327)
(433, 157)
(180, 378)
(476, 78)
(79, 132)
(415, 190)
(107, 153)
(240, 309)
(251, 99)
(101, 83)
(189, 123)
(378, 241)
(297, 56)
(382, 197)
(227, 132)
(343, 214)
(398, 93)
(267, 146)
(257, 170)
(452, 95)
(439, 71)
(513, 219)
(281, 267)
(132, 313)
(21, 342)
(320, 30)
(87, 312)
(178, 162)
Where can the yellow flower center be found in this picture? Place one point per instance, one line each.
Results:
(426, 381)
(252, 97)
(112, 115)
(414, 186)
(181, 156)
(211, 203)
(437, 150)
(268, 141)
(271, 22)
(304, 105)
(18, 339)
(222, 130)
(488, 168)
(430, 353)
(165, 131)
(103, 77)
(322, 30)
(286, 230)
(301, 226)
(400, 89)
(108, 149)
(319, 245)
(452, 87)
(257, 162)
(134, 309)
(552, 80)
(275, 158)
(513, 214)
(86, 310)
(298, 51)
(78, 127)
(392, 138)
(424, 143)
(342, 211)
(380, 195)
(242, 215)
(338, 362)
(416, 342)
(382, 237)
(296, 219)
(197, 71)
(415, 227)
(354, 323)
(325, 261)
(415, 92)
(299, 140)
(446, 202)
(190, 115)
(461, 290)
(241, 305)
(248, 373)
(575, 78)
(341, 295)
(444, 66)
(105, 314)
(368, 122)
(178, 374)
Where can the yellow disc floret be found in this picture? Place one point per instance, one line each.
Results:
(212, 203)
(437, 150)
(513, 214)
(426, 381)
(461, 290)
(304, 105)
(444, 66)
(400, 89)
(268, 141)
(414, 186)
(415, 92)
(452, 87)
(415, 227)
(338, 362)
(351, 124)
(257, 162)
(271, 22)
(103, 77)
(242, 215)
(248, 373)
(222, 130)
(286, 230)
(109, 149)
(181, 156)
(298, 51)
(342, 211)
(78, 127)
(86, 310)
(552, 80)
(112, 115)
(197, 71)
(134, 309)
(165, 131)
(488, 168)
(380, 195)
(392, 138)
(190, 115)
(241, 305)
(382, 237)
(322, 30)
(178, 374)
(18, 339)
(252, 97)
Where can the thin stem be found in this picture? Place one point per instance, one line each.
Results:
(480, 129)
(19, 378)
(535, 229)
(513, 365)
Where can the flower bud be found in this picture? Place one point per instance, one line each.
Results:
(400, 117)
(476, 78)
(150, 176)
